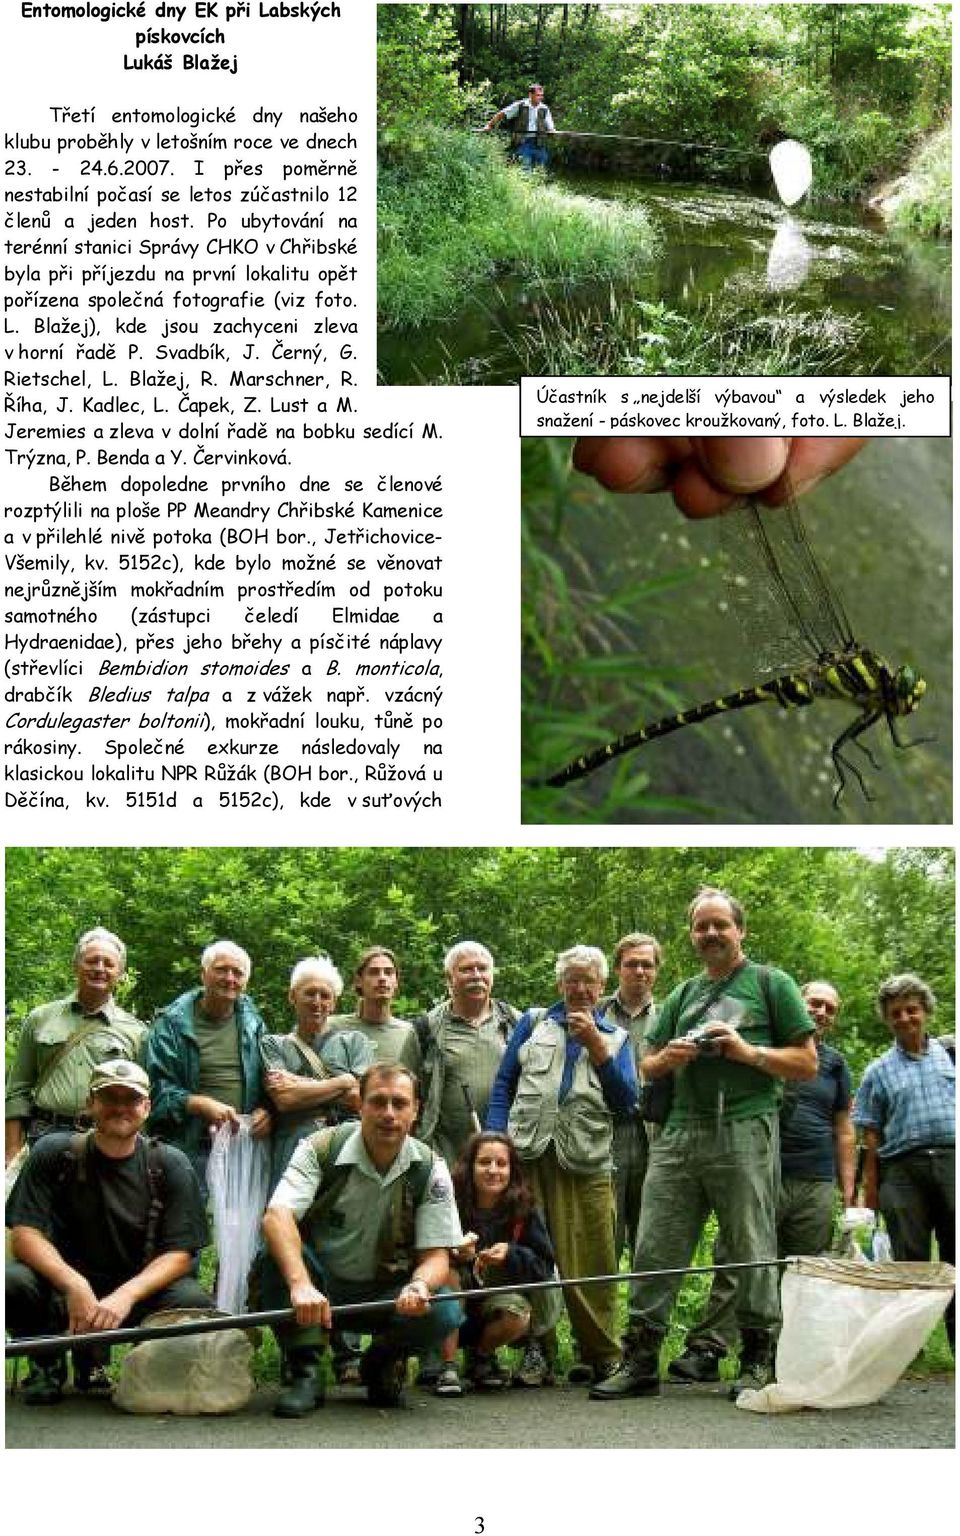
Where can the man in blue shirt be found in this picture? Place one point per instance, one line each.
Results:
(566, 1071)
(906, 1111)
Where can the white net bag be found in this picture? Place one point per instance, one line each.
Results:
(850, 1329)
(238, 1177)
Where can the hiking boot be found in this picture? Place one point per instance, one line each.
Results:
(346, 1372)
(429, 1373)
(305, 1391)
(447, 1382)
(698, 1363)
(756, 1369)
(604, 1369)
(534, 1369)
(580, 1374)
(92, 1379)
(638, 1374)
(487, 1374)
(44, 1386)
(383, 1373)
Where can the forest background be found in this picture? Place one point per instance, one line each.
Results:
(848, 916)
(865, 87)
(856, 83)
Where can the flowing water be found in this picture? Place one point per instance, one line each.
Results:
(879, 298)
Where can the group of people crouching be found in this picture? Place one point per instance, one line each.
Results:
(367, 1235)
(364, 1213)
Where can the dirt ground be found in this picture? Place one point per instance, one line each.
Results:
(918, 1414)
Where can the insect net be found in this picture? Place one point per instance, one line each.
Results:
(850, 1329)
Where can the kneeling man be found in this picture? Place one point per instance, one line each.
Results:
(364, 1212)
(105, 1227)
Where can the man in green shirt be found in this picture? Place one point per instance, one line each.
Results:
(463, 1040)
(728, 1038)
(377, 982)
(62, 1042)
(363, 1213)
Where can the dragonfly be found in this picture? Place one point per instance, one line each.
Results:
(831, 663)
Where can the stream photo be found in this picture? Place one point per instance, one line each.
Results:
(594, 189)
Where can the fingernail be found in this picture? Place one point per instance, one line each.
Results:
(743, 464)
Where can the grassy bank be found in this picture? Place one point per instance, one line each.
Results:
(720, 335)
(923, 198)
(452, 213)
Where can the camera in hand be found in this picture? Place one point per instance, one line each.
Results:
(707, 1044)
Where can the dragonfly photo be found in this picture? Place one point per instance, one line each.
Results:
(834, 613)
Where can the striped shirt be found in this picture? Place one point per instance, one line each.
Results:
(911, 1100)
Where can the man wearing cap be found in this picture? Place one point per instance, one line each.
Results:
(728, 1037)
(61, 1043)
(203, 1057)
(104, 1227)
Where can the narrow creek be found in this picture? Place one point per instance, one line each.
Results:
(880, 298)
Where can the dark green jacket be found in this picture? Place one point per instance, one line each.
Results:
(173, 1062)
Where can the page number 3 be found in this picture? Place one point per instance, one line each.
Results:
(478, 1525)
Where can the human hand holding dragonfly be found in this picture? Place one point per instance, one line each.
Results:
(709, 475)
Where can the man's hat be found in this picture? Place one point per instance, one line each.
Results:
(120, 1074)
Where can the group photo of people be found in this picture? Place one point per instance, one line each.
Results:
(460, 1124)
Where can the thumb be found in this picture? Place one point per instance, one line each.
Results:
(742, 465)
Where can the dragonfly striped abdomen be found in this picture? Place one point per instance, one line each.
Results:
(791, 603)
(856, 676)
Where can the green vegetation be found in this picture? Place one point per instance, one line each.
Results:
(816, 911)
(857, 83)
(453, 214)
(719, 335)
(709, 89)
(924, 198)
(850, 916)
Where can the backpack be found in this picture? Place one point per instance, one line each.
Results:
(76, 1160)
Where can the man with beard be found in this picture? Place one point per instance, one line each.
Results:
(104, 1228)
(377, 982)
(817, 1156)
(728, 1037)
